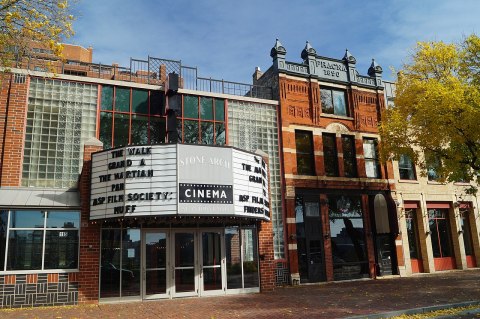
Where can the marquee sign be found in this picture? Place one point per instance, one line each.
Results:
(178, 179)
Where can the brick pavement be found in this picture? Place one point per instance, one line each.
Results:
(330, 300)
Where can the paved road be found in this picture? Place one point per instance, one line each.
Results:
(330, 300)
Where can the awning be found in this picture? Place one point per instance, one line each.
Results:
(12, 197)
(381, 214)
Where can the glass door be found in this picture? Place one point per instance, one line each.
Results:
(184, 270)
(155, 264)
(211, 269)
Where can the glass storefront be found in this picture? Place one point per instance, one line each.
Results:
(440, 233)
(150, 263)
(347, 237)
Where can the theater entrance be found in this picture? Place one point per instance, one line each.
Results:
(183, 263)
(173, 263)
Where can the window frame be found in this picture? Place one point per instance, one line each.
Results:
(411, 171)
(310, 154)
(375, 159)
(353, 156)
(330, 151)
(332, 101)
(44, 231)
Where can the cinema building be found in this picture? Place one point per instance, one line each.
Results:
(438, 221)
(341, 220)
(114, 187)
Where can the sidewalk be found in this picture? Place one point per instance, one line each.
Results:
(330, 300)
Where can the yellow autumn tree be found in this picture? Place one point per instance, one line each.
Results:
(31, 24)
(435, 119)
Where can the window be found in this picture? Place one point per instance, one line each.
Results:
(61, 116)
(305, 159)
(330, 156)
(370, 153)
(251, 133)
(39, 240)
(347, 234)
(433, 165)
(334, 102)
(440, 233)
(349, 156)
(412, 231)
(406, 168)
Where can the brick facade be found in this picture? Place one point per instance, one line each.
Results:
(88, 277)
(299, 90)
(13, 113)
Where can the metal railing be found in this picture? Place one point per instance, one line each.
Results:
(151, 71)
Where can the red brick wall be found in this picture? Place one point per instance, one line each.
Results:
(88, 277)
(13, 113)
(265, 249)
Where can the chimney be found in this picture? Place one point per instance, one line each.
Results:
(257, 75)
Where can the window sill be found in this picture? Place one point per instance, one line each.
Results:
(435, 183)
(408, 181)
(461, 184)
(333, 116)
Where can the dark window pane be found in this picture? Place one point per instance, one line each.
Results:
(206, 108)
(3, 236)
(349, 156)
(157, 103)
(139, 101)
(25, 250)
(327, 103)
(304, 149)
(139, 129)
(207, 132)
(106, 129)
(406, 168)
(440, 233)
(190, 106)
(110, 263)
(122, 99)
(348, 237)
(190, 132)
(120, 137)
(219, 110)
(467, 234)
(61, 249)
(107, 98)
(250, 258)
(59, 219)
(131, 262)
(412, 233)
(157, 130)
(27, 219)
(220, 134)
(179, 131)
(233, 258)
(330, 156)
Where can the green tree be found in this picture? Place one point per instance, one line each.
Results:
(436, 115)
(28, 24)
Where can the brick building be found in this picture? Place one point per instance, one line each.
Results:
(96, 206)
(340, 217)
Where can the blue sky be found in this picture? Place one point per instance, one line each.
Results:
(227, 39)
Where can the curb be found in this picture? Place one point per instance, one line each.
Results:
(415, 311)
